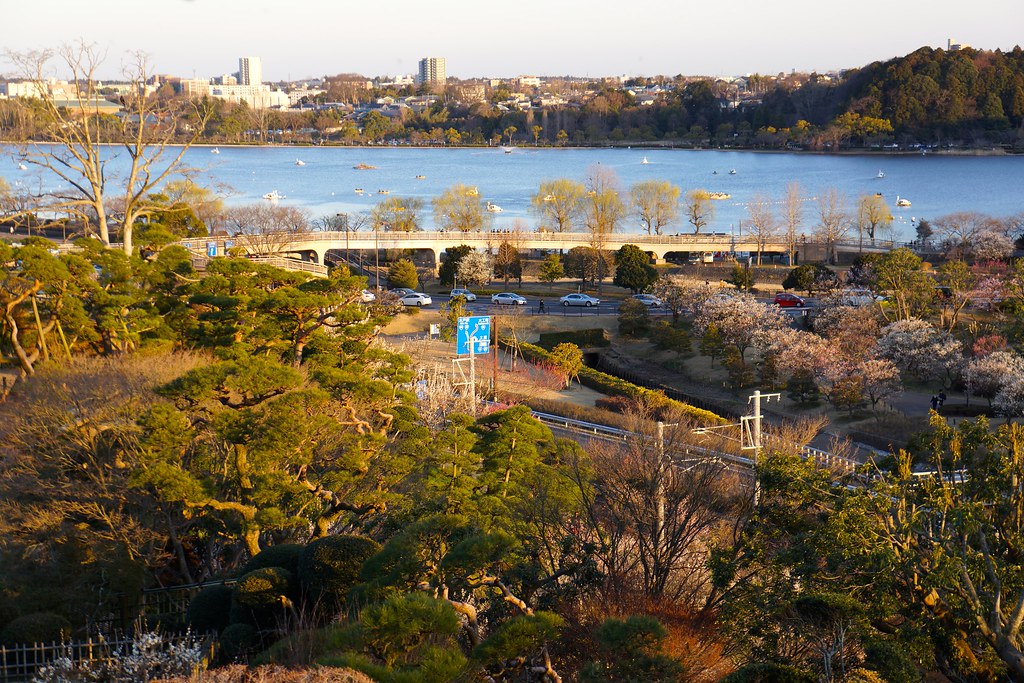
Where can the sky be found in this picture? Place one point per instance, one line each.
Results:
(312, 38)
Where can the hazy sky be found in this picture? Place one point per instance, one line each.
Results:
(309, 38)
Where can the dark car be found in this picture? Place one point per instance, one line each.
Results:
(787, 300)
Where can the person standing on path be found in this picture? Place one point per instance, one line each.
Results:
(540, 307)
(935, 402)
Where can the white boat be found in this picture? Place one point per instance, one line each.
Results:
(881, 174)
(549, 197)
(273, 195)
(22, 167)
(645, 161)
(902, 202)
(494, 208)
(508, 150)
(732, 171)
(300, 162)
(359, 190)
(215, 151)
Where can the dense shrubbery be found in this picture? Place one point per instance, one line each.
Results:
(41, 627)
(329, 568)
(591, 338)
(210, 609)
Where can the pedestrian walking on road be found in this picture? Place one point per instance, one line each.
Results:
(935, 402)
(540, 307)
(942, 398)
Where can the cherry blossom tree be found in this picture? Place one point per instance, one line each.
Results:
(742, 321)
(919, 349)
(474, 268)
(881, 380)
(986, 376)
(1010, 399)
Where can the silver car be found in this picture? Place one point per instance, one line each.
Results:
(579, 300)
(508, 299)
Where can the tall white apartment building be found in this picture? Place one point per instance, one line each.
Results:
(432, 70)
(250, 71)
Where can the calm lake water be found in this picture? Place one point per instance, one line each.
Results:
(326, 181)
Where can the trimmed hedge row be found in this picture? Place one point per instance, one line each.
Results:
(614, 386)
(594, 337)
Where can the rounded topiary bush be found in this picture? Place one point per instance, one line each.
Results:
(39, 627)
(329, 567)
(210, 609)
(285, 555)
(238, 641)
(261, 598)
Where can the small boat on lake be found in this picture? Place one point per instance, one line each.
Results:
(645, 161)
(215, 150)
(383, 191)
(494, 208)
(300, 162)
(881, 174)
(273, 195)
(359, 190)
(902, 201)
(732, 171)
(364, 167)
(472, 192)
(421, 177)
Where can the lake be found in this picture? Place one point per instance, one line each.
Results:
(325, 183)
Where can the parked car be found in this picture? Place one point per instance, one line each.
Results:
(508, 299)
(416, 299)
(470, 296)
(858, 297)
(579, 300)
(787, 300)
(367, 297)
(649, 300)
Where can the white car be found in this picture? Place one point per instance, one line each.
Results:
(470, 296)
(367, 297)
(508, 298)
(416, 299)
(579, 300)
(649, 300)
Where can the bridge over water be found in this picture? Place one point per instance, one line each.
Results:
(315, 246)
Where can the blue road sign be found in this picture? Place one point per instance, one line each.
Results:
(211, 249)
(475, 330)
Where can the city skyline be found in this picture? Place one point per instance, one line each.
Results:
(203, 38)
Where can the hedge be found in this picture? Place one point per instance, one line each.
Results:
(39, 627)
(285, 555)
(210, 609)
(329, 567)
(594, 337)
(615, 386)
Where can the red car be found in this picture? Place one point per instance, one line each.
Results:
(787, 300)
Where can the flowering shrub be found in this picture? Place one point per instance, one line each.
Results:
(147, 656)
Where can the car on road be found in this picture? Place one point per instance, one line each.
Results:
(508, 299)
(579, 300)
(367, 297)
(470, 296)
(402, 291)
(787, 300)
(416, 299)
(649, 300)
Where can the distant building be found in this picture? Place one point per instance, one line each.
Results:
(528, 82)
(953, 46)
(250, 71)
(432, 70)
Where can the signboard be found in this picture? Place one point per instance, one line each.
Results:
(475, 330)
(211, 249)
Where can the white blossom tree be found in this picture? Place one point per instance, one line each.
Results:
(986, 376)
(921, 350)
(742, 321)
(475, 268)
(1010, 399)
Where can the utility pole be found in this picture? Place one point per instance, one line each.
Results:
(751, 433)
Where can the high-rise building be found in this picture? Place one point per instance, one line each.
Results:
(250, 71)
(432, 70)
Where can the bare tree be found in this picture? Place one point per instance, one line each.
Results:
(656, 204)
(833, 223)
(873, 214)
(792, 217)
(763, 223)
(656, 510)
(604, 211)
(80, 141)
(699, 209)
(266, 228)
